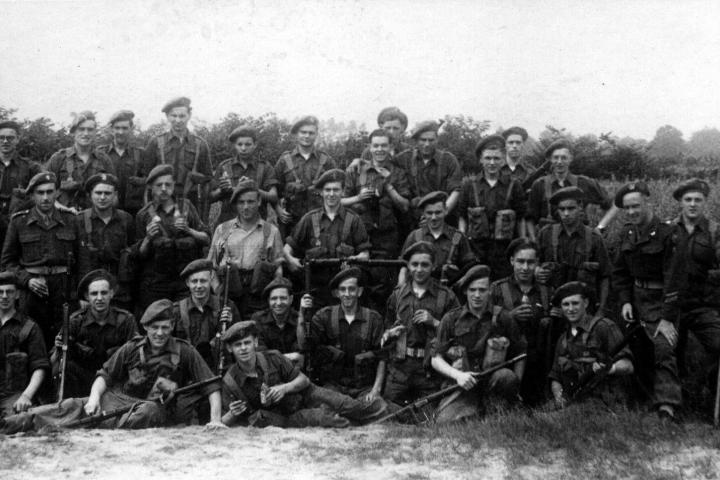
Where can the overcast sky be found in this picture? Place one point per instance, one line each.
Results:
(591, 67)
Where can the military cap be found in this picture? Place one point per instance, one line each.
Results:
(419, 247)
(520, 244)
(176, 102)
(278, 282)
(426, 126)
(569, 289)
(11, 124)
(632, 187)
(567, 193)
(240, 330)
(692, 185)
(334, 175)
(432, 197)
(352, 272)
(40, 179)
(9, 278)
(478, 271)
(81, 117)
(106, 178)
(494, 142)
(243, 131)
(93, 275)
(121, 116)
(158, 310)
(159, 171)
(392, 113)
(242, 187)
(306, 120)
(515, 131)
(199, 265)
(556, 145)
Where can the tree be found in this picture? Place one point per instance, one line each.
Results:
(668, 145)
(704, 145)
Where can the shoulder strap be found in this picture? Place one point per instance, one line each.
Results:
(321, 168)
(267, 231)
(87, 221)
(25, 331)
(161, 147)
(414, 170)
(507, 296)
(713, 228)
(457, 236)
(136, 158)
(588, 242)
(586, 334)
(185, 316)
(573, 179)
(417, 236)
(474, 182)
(495, 313)
(439, 176)
(291, 168)
(335, 323)
(232, 386)
(545, 298)
(347, 225)
(262, 361)
(548, 193)
(315, 218)
(441, 300)
(555, 240)
(508, 194)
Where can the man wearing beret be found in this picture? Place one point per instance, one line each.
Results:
(570, 250)
(297, 172)
(188, 154)
(96, 331)
(15, 171)
(201, 317)
(170, 234)
(394, 122)
(413, 314)
(244, 165)
(541, 212)
(515, 167)
(74, 165)
(331, 231)
(106, 235)
(586, 348)
(491, 207)
(127, 159)
(473, 338)
(38, 247)
(251, 246)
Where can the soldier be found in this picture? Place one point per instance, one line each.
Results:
(15, 172)
(106, 236)
(515, 167)
(38, 247)
(472, 338)
(297, 172)
(74, 165)
(127, 159)
(491, 207)
(586, 348)
(252, 247)
(451, 246)
(413, 314)
(394, 122)
(188, 154)
(172, 235)
(199, 317)
(96, 331)
(570, 250)
(244, 165)
(23, 358)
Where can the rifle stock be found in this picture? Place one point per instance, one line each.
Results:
(65, 328)
(223, 323)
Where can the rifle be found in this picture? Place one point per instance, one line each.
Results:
(163, 399)
(540, 172)
(223, 323)
(421, 402)
(349, 261)
(65, 327)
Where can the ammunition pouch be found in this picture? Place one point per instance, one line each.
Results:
(478, 223)
(458, 358)
(239, 281)
(137, 383)
(162, 386)
(505, 224)
(295, 188)
(400, 346)
(344, 250)
(16, 371)
(316, 252)
(365, 368)
(495, 352)
(263, 273)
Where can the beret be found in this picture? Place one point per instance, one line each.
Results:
(306, 120)
(121, 116)
(432, 197)
(520, 244)
(567, 193)
(240, 330)
(556, 145)
(419, 247)
(158, 310)
(692, 185)
(199, 265)
(11, 124)
(91, 276)
(515, 131)
(334, 175)
(426, 126)
(40, 179)
(352, 272)
(80, 118)
(242, 187)
(159, 171)
(569, 289)
(243, 131)
(632, 187)
(9, 278)
(107, 178)
(478, 271)
(489, 141)
(278, 282)
(176, 102)
(392, 113)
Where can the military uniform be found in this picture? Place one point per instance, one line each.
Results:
(128, 164)
(521, 172)
(451, 247)
(540, 210)
(258, 170)
(68, 167)
(14, 177)
(272, 336)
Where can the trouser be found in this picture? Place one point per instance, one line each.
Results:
(408, 380)
(6, 403)
(153, 288)
(78, 378)
(48, 311)
(358, 410)
(492, 253)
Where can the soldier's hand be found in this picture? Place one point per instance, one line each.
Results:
(371, 396)
(414, 202)
(384, 172)
(153, 229)
(225, 184)
(136, 181)
(92, 407)
(58, 340)
(306, 301)
(366, 192)
(627, 312)
(23, 403)
(354, 166)
(667, 329)
(274, 394)
(522, 313)
(238, 407)
(466, 380)
(423, 317)
(39, 287)
(542, 275)
(282, 213)
(215, 426)
(597, 366)
(69, 185)
(181, 224)
(294, 264)
(226, 315)
(391, 333)
(559, 402)
(556, 312)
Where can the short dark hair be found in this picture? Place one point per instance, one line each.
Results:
(378, 132)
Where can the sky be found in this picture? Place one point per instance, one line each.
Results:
(588, 66)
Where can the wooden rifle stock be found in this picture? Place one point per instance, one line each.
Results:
(65, 327)
(223, 323)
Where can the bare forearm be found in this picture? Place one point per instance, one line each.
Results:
(34, 384)
(379, 376)
(215, 407)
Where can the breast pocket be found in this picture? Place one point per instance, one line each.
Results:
(32, 246)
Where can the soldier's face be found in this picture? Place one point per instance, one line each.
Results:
(348, 292)
(491, 161)
(158, 332)
(244, 146)
(99, 295)
(393, 127)
(380, 149)
(163, 187)
(248, 206)
(199, 284)
(178, 119)
(513, 145)
(85, 133)
(332, 193)
(692, 205)
(560, 160)
(426, 143)
(306, 135)
(524, 263)
(279, 301)
(478, 292)
(8, 295)
(8, 140)
(44, 196)
(244, 348)
(636, 208)
(420, 267)
(569, 212)
(435, 214)
(574, 307)
(103, 196)
(121, 131)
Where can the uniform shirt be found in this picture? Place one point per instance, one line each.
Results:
(538, 300)
(395, 150)
(16, 175)
(203, 325)
(274, 337)
(261, 172)
(102, 246)
(502, 195)
(67, 165)
(92, 342)
(291, 166)
(538, 202)
(245, 247)
(303, 238)
(443, 244)
(522, 171)
(128, 166)
(442, 172)
(349, 338)
(33, 346)
(31, 242)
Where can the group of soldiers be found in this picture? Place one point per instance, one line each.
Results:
(328, 296)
